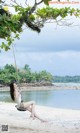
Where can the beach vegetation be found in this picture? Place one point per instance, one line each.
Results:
(24, 75)
(30, 16)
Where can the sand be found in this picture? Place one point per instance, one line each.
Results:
(58, 120)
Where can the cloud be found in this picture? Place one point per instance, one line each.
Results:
(50, 40)
(57, 63)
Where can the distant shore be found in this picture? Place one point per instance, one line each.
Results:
(28, 87)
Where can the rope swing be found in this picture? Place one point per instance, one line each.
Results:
(17, 77)
(21, 107)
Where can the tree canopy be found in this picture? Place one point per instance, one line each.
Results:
(25, 75)
(11, 25)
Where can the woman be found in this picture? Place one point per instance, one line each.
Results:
(16, 96)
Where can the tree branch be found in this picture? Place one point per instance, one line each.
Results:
(34, 7)
(40, 2)
(14, 1)
(26, 2)
(35, 1)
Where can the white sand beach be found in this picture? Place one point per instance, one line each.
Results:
(59, 120)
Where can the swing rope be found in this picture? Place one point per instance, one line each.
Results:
(17, 76)
(20, 108)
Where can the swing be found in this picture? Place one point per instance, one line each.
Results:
(19, 108)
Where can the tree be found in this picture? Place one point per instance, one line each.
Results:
(11, 25)
(9, 74)
(27, 68)
(10, 68)
(45, 76)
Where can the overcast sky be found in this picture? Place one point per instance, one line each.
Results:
(56, 50)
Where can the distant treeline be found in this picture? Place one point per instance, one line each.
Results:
(66, 79)
(24, 75)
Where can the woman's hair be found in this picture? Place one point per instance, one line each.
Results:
(12, 91)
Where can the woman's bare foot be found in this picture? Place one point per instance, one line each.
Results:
(33, 117)
(44, 121)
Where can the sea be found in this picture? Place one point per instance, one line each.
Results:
(66, 99)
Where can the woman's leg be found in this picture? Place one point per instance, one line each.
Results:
(30, 106)
(35, 115)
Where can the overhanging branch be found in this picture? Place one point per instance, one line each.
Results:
(40, 2)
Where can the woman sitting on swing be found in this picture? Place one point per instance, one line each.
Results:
(16, 96)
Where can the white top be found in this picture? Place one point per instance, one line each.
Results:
(17, 95)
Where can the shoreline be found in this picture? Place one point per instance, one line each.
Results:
(59, 120)
(34, 88)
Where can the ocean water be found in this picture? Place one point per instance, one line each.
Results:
(67, 84)
(68, 99)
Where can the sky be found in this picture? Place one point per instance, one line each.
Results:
(56, 49)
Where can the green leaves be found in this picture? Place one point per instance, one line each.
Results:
(8, 73)
(4, 46)
(32, 16)
(9, 41)
(53, 13)
(21, 10)
(46, 2)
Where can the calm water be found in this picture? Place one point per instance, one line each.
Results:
(53, 98)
